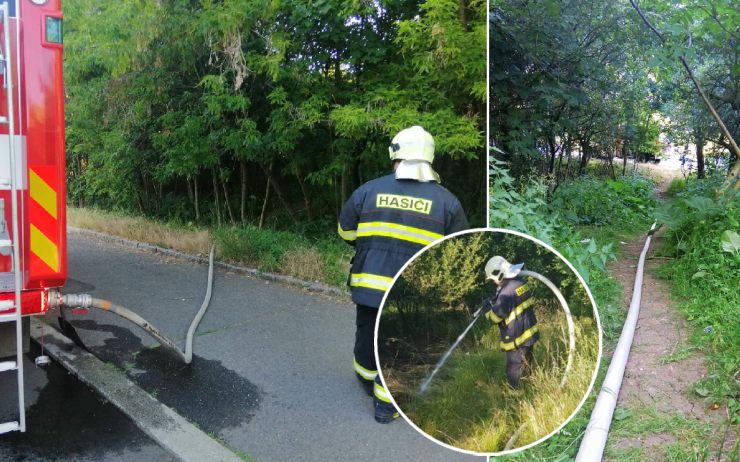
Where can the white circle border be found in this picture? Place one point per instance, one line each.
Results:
(598, 327)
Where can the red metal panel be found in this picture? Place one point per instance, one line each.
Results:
(32, 301)
(43, 98)
(39, 110)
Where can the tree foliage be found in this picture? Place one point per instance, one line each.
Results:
(266, 111)
(571, 81)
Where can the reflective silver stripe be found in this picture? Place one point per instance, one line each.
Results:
(392, 230)
(370, 281)
(381, 393)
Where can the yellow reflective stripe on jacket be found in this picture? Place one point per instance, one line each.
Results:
(366, 374)
(508, 346)
(396, 231)
(349, 235)
(381, 393)
(518, 310)
(493, 317)
(370, 281)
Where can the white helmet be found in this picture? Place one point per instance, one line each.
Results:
(498, 269)
(413, 143)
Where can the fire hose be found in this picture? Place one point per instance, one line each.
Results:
(594, 440)
(88, 301)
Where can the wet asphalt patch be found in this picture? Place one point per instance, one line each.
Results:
(204, 392)
(66, 420)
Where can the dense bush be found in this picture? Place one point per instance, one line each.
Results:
(594, 201)
(703, 237)
(524, 206)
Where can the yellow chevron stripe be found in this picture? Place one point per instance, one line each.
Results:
(44, 248)
(42, 193)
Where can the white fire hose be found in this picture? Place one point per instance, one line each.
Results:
(594, 440)
(88, 301)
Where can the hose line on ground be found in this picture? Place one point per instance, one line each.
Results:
(88, 301)
(594, 440)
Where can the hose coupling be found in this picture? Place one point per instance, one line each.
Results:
(76, 300)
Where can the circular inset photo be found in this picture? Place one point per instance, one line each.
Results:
(488, 341)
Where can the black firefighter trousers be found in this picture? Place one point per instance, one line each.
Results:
(365, 366)
(518, 361)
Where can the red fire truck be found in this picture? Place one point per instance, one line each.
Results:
(33, 252)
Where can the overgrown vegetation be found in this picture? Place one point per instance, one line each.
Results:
(266, 113)
(703, 239)
(469, 404)
(594, 89)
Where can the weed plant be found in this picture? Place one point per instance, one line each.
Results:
(702, 238)
(676, 186)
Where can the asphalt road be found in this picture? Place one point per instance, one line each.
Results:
(66, 420)
(272, 375)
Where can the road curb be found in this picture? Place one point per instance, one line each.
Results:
(254, 272)
(166, 427)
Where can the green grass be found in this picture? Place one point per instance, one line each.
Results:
(676, 437)
(323, 259)
(679, 353)
(676, 186)
(706, 286)
(471, 406)
(318, 257)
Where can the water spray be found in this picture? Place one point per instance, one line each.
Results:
(425, 385)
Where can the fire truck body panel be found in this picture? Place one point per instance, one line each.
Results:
(36, 38)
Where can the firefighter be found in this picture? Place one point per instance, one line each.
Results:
(511, 308)
(388, 220)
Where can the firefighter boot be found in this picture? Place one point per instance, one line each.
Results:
(385, 411)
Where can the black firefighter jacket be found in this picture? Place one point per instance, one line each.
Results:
(388, 221)
(512, 310)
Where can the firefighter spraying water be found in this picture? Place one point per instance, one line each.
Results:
(511, 308)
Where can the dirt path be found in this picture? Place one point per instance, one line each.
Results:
(662, 419)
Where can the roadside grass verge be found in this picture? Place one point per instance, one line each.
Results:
(184, 238)
(469, 405)
(323, 259)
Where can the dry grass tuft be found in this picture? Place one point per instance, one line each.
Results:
(304, 263)
(471, 407)
(192, 241)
